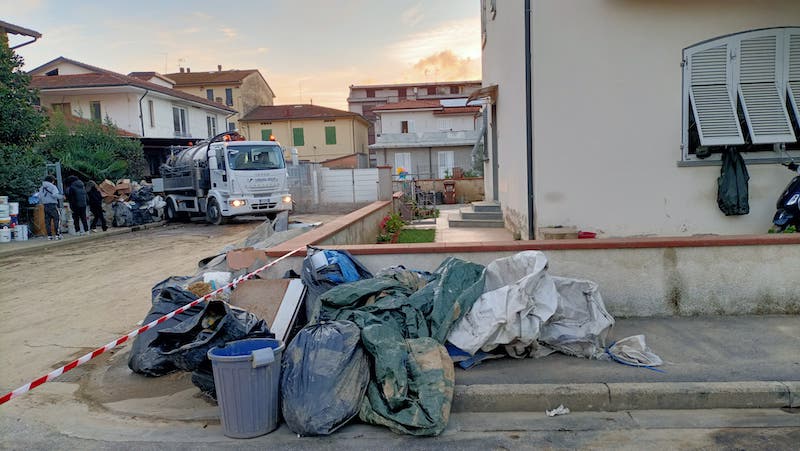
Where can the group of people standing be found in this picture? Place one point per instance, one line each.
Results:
(79, 197)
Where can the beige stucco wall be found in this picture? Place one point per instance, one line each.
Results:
(252, 92)
(351, 136)
(607, 116)
(504, 49)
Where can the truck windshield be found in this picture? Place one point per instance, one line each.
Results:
(255, 158)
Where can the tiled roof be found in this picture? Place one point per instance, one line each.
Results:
(71, 121)
(283, 112)
(410, 105)
(210, 78)
(103, 77)
(148, 75)
(411, 85)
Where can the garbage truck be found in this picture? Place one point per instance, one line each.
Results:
(225, 177)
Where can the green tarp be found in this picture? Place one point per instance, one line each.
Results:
(404, 322)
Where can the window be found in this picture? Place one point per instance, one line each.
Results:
(431, 90)
(445, 159)
(401, 94)
(454, 89)
(179, 121)
(370, 92)
(94, 111)
(402, 160)
(742, 90)
(211, 124)
(330, 135)
(265, 134)
(297, 137)
(63, 108)
(255, 158)
(229, 96)
(152, 112)
(210, 94)
(407, 126)
(52, 72)
(231, 126)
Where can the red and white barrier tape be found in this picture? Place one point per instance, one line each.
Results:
(80, 361)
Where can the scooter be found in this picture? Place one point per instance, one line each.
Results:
(788, 206)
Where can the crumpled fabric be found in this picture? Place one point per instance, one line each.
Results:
(527, 312)
(404, 319)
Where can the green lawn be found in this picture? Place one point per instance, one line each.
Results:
(416, 236)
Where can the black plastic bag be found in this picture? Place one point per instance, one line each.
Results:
(324, 377)
(732, 189)
(167, 297)
(187, 343)
(321, 274)
(143, 195)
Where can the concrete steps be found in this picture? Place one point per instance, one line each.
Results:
(481, 214)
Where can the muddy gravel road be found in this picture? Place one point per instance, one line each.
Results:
(69, 300)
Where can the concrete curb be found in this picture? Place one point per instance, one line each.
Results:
(626, 396)
(47, 245)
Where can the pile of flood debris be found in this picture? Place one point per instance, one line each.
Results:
(379, 347)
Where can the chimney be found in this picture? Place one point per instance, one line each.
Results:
(181, 70)
(188, 70)
(219, 67)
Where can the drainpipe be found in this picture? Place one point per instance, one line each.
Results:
(529, 118)
(141, 113)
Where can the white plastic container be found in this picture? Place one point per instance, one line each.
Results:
(3, 199)
(5, 235)
(21, 232)
(13, 208)
(5, 210)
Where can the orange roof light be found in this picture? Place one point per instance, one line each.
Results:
(272, 138)
(226, 138)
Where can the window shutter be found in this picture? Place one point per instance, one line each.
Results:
(763, 105)
(712, 104)
(265, 134)
(446, 161)
(794, 71)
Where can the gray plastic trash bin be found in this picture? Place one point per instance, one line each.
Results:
(247, 374)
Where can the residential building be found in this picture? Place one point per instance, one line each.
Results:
(242, 90)
(627, 106)
(147, 107)
(9, 28)
(363, 99)
(318, 133)
(426, 138)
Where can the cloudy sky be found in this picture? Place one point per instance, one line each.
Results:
(308, 50)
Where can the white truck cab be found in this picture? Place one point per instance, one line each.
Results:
(227, 178)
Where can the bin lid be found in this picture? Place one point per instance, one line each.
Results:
(241, 350)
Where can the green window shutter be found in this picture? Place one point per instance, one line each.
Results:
(330, 135)
(265, 134)
(299, 139)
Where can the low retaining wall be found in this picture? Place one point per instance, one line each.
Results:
(683, 276)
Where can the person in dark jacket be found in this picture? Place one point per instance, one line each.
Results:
(96, 206)
(76, 195)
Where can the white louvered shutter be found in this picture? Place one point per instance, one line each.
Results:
(762, 100)
(712, 103)
(793, 44)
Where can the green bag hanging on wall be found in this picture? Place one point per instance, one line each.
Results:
(732, 192)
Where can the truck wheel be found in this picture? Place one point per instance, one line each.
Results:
(170, 212)
(214, 213)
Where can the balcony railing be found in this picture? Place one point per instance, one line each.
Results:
(457, 138)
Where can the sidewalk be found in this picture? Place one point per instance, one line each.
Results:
(710, 362)
(40, 243)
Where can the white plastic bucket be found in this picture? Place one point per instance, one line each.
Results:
(5, 210)
(3, 199)
(21, 232)
(13, 208)
(5, 235)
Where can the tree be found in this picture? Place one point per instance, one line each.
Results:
(92, 151)
(21, 124)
